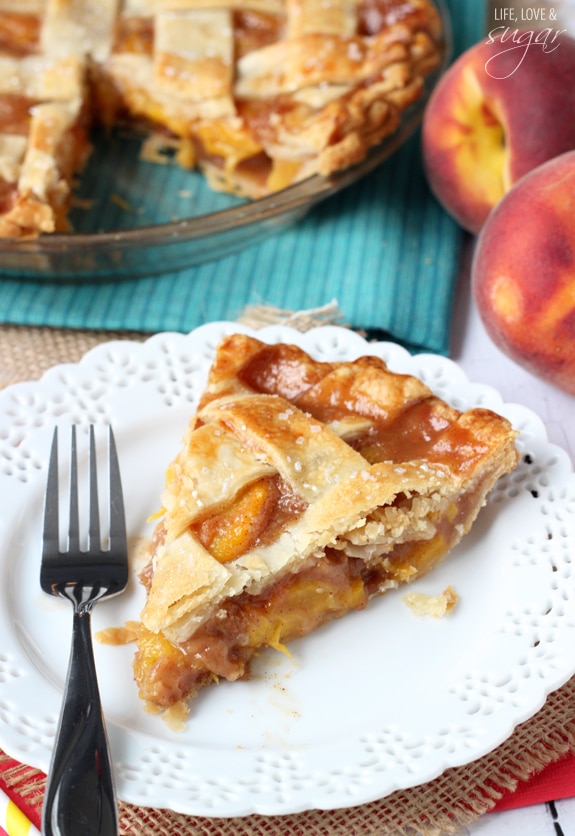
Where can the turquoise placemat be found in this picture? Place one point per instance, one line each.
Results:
(383, 249)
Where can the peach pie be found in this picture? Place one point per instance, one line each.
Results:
(258, 93)
(302, 489)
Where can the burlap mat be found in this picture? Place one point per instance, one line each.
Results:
(446, 805)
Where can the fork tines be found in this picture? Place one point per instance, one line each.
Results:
(117, 526)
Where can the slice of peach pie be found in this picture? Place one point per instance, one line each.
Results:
(302, 490)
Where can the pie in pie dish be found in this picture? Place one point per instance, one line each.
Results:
(258, 93)
(302, 489)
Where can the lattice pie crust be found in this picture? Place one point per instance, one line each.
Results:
(261, 93)
(301, 490)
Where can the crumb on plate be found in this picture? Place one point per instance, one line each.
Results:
(435, 606)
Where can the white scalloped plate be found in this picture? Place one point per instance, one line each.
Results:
(378, 701)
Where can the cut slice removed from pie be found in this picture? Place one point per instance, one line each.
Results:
(302, 489)
(258, 94)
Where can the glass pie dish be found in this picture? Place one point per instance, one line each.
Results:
(132, 217)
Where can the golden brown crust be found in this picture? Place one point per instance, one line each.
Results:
(43, 140)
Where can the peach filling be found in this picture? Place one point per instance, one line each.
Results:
(225, 644)
(19, 32)
(255, 518)
(227, 536)
(327, 586)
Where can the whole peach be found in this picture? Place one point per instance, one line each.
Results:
(523, 272)
(504, 107)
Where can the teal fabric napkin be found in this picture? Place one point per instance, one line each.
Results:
(382, 248)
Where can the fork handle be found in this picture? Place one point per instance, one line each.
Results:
(80, 797)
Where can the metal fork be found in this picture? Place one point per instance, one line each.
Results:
(80, 797)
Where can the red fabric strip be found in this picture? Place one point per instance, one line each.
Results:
(554, 782)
